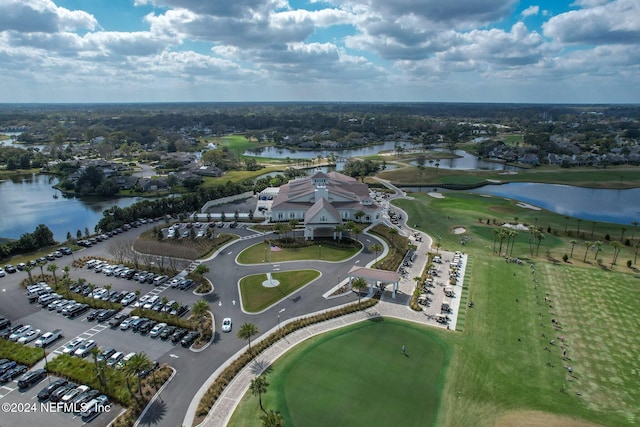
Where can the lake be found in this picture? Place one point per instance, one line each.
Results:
(28, 201)
(617, 206)
(283, 153)
(467, 161)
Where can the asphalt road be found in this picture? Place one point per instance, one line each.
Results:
(192, 368)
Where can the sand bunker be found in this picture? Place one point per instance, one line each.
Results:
(520, 227)
(459, 230)
(527, 206)
(436, 195)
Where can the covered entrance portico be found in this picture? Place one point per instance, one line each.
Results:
(374, 276)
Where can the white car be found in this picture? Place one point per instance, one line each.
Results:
(226, 324)
(126, 323)
(29, 336)
(128, 298)
(20, 333)
(2, 273)
(85, 348)
(72, 346)
(157, 330)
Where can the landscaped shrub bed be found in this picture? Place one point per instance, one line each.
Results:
(20, 353)
(83, 371)
(212, 394)
(150, 386)
(398, 247)
(189, 248)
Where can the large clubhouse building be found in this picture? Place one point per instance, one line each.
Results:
(323, 202)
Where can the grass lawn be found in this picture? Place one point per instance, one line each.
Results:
(256, 297)
(357, 376)
(503, 368)
(612, 177)
(259, 253)
(238, 176)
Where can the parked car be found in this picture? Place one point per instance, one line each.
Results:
(115, 358)
(94, 314)
(2, 272)
(117, 320)
(145, 373)
(128, 299)
(157, 330)
(127, 323)
(85, 348)
(106, 354)
(106, 315)
(72, 346)
(94, 408)
(61, 391)
(31, 378)
(178, 335)
(71, 394)
(13, 373)
(147, 326)
(4, 323)
(21, 266)
(125, 359)
(167, 332)
(29, 336)
(189, 339)
(180, 310)
(20, 332)
(48, 337)
(10, 269)
(83, 398)
(46, 391)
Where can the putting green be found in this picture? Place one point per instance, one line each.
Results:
(356, 376)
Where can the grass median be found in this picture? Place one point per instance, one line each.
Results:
(261, 253)
(257, 297)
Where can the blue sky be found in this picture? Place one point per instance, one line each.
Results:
(558, 51)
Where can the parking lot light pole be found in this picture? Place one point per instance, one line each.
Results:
(281, 311)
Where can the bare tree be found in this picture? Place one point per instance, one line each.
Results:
(118, 249)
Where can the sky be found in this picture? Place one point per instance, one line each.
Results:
(545, 51)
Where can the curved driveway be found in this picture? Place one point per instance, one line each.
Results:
(225, 273)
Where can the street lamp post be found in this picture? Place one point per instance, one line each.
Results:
(320, 251)
(279, 312)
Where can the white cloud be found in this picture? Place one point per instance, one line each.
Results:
(42, 16)
(616, 22)
(530, 11)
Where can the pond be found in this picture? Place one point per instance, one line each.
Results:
(616, 206)
(283, 153)
(28, 200)
(466, 161)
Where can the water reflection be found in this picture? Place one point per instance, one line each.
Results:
(28, 200)
(466, 161)
(283, 153)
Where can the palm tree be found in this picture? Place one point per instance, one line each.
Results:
(598, 247)
(539, 237)
(501, 235)
(91, 299)
(616, 251)
(622, 233)
(272, 419)
(28, 269)
(199, 309)
(512, 236)
(338, 230)
(587, 245)
(248, 330)
(356, 229)
(358, 215)
(66, 270)
(53, 268)
(495, 232)
(108, 289)
(258, 387)
(359, 284)
(376, 247)
(95, 352)
(165, 301)
(573, 244)
(134, 366)
(41, 264)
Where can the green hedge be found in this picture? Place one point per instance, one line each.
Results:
(20, 352)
